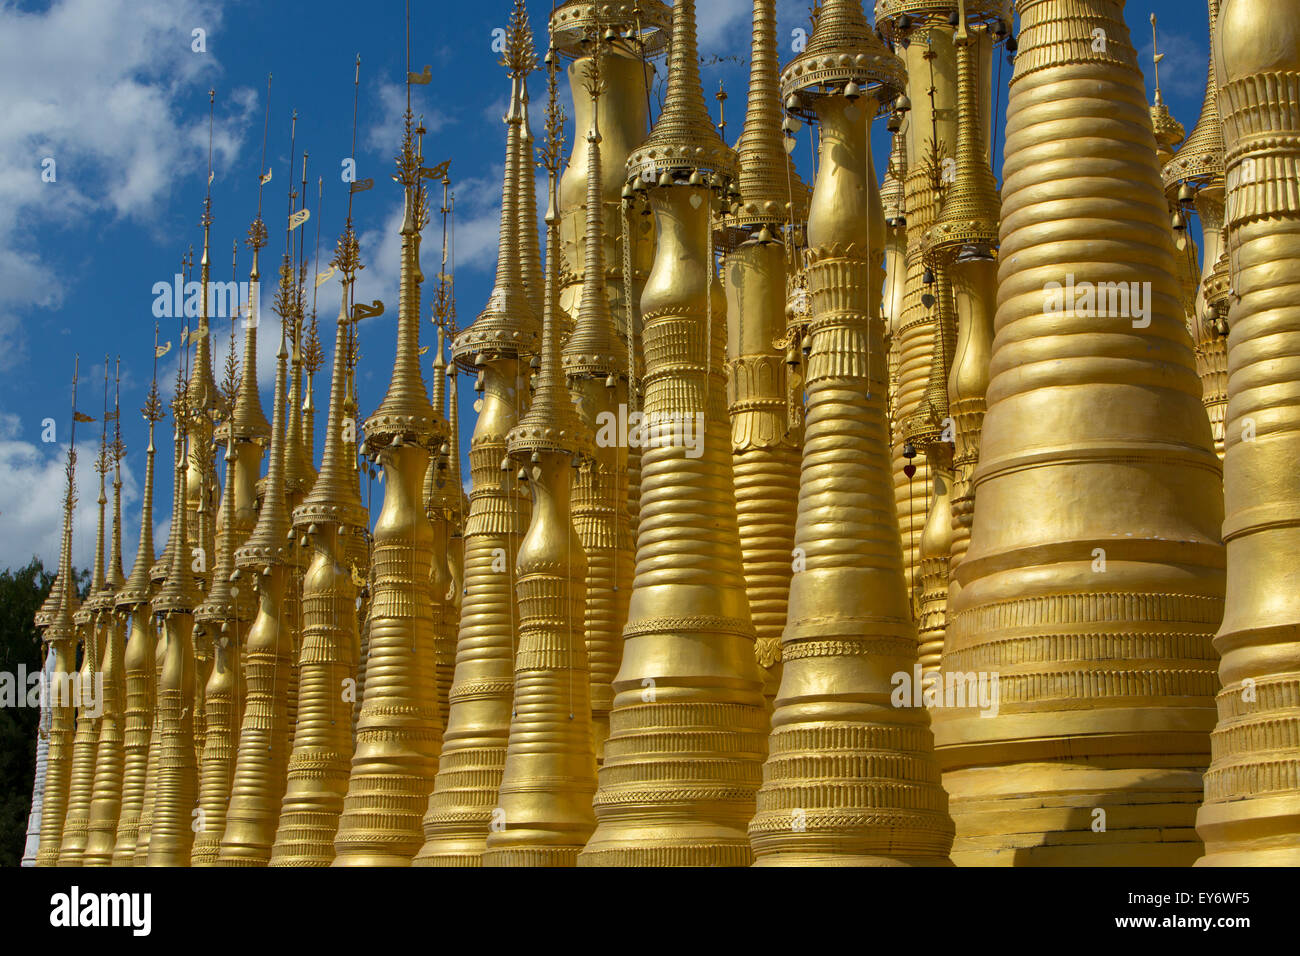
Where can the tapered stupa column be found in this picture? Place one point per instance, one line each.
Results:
(231, 604)
(764, 446)
(55, 620)
(1195, 174)
(133, 599)
(923, 36)
(32, 842)
(682, 760)
(106, 790)
(175, 791)
(549, 776)
(91, 634)
(962, 245)
(72, 842)
(206, 406)
(399, 731)
(157, 577)
(837, 744)
(1093, 610)
(598, 355)
(893, 204)
(224, 617)
(332, 517)
(464, 796)
(442, 499)
(634, 33)
(1251, 815)
(263, 561)
(299, 478)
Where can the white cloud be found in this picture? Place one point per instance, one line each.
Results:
(33, 486)
(717, 20)
(385, 135)
(95, 86)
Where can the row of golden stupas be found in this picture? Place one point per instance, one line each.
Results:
(957, 510)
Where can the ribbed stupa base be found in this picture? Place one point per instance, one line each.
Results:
(851, 794)
(678, 783)
(460, 812)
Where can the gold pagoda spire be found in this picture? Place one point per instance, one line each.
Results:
(508, 323)
(962, 244)
(248, 422)
(628, 36)
(300, 472)
(223, 614)
(101, 468)
(205, 407)
(1200, 158)
(141, 647)
(113, 576)
(477, 726)
(967, 216)
(771, 190)
(683, 140)
(764, 441)
(55, 617)
(230, 607)
(837, 744)
(313, 355)
(175, 790)
(106, 790)
(922, 33)
(1096, 403)
(269, 557)
(442, 495)
(89, 622)
(594, 349)
(157, 578)
(330, 516)
(530, 253)
(262, 756)
(1251, 813)
(220, 619)
(335, 523)
(399, 728)
(687, 701)
(202, 393)
(1195, 176)
(595, 359)
(550, 729)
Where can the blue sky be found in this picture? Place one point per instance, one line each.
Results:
(114, 93)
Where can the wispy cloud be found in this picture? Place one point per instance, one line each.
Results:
(89, 90)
